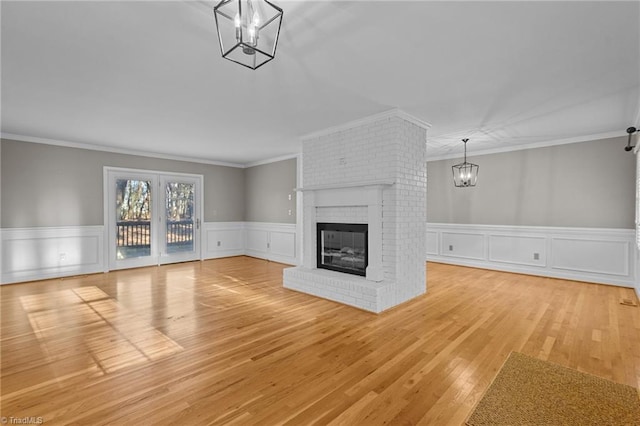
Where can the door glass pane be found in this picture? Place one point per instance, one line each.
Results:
(133, 218)
(180, 217)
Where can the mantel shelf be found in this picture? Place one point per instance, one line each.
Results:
(365, 184)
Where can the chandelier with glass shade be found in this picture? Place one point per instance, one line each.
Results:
(248, 31)
(465, 174)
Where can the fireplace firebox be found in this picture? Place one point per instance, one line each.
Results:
(342, 247)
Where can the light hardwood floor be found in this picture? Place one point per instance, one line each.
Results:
(221, 341)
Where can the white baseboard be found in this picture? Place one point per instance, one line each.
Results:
(50, 252)
(604, 256)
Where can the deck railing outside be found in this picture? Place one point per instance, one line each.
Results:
(137, 234)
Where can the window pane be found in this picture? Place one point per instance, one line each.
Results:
(180, 217)
(133, 218)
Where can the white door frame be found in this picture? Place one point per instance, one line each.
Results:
(109, 173)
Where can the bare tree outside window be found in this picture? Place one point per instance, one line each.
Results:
(133, 218)
(179, 210)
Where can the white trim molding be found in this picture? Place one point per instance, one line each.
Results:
(396, 112)
(51, 252)
(116, 150)
(524, 146)
(596, 255)
(272, 160)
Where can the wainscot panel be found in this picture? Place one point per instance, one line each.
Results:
(432, 243)
(257, 240)
(283, 244)
(223, 239)
(463, 245)
(605, 256)
(49, 252)
(271, 241)
(518, 250)
(594, 256)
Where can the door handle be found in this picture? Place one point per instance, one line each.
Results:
(198, 223)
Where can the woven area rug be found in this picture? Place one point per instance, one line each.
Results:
(528, 391)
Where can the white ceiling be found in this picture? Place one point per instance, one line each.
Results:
(148, 76)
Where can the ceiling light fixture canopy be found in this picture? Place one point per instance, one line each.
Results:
(465, 174)
(248, 31)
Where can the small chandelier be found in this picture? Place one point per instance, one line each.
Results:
(248, 30)
(465, 174)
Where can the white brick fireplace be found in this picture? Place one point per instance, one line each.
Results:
(368, 172)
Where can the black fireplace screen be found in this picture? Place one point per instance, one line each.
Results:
(342, 247)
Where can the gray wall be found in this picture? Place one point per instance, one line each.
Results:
(46, 185)
(587, 184)
(267, 189)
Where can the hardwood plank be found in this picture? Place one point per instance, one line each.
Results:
(222, 342)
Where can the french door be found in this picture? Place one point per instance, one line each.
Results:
(152, 217)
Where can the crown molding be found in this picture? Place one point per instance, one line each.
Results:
(534, 145)
(393, 113)
(272, 160)
(67, 144)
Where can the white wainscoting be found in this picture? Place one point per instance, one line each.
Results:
(50, 252)
(222, 239)
(605, 256)
(28, 254)
(272, 241)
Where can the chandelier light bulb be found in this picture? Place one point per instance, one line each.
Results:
(252, 35)
(236, 22)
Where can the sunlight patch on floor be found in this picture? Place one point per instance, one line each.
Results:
(113, 336)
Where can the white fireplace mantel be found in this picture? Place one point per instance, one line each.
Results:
(371, 183)
(368, 194)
